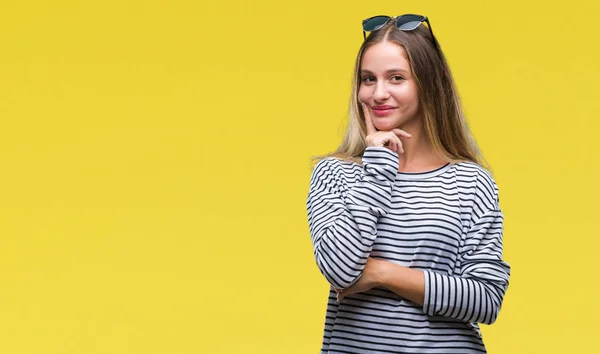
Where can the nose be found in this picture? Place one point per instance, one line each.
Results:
(381, 93)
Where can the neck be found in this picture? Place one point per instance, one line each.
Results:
(418, 153)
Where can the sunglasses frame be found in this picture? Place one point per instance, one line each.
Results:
(397, 20)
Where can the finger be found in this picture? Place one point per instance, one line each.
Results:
(395, 143)
(368, 121)
(390, 140)
(400, 146)
(401, 132)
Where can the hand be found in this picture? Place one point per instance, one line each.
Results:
(389, 139)
(371, 277)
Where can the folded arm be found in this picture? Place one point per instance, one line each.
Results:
(342, 219)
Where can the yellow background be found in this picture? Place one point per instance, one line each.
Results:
(154, 160)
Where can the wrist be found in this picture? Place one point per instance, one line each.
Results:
(383, 270)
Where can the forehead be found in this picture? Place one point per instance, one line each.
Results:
(383, 56)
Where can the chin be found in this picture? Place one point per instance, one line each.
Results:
(387, 124)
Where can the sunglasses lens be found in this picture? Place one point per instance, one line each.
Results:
(409, 22)
(375, 23)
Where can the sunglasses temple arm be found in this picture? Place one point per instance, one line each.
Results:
(435, 42)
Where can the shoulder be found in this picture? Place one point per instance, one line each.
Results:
(480, 182)
(331, 170)
(475, 172)
(328, 165)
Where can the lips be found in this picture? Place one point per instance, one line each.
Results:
(382, 110)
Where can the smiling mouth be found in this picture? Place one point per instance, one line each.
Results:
(383, 107)
(383, 112)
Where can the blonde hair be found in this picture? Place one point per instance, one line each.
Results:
(445, 125)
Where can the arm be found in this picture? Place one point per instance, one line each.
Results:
(342, 221)
(406, 282)
(476, 293)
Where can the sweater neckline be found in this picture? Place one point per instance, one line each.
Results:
(425, 174)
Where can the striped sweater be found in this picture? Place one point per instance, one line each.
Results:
(446, 222)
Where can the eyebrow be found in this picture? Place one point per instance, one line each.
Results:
(386, 72)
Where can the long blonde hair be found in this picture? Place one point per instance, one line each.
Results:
(444, 121)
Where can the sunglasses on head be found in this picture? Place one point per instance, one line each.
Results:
(407, 22)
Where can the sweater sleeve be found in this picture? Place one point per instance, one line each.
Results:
(476, 293)
(342, 219)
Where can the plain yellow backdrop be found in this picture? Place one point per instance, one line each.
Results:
(155, 165)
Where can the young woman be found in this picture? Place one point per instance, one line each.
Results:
(404, 218)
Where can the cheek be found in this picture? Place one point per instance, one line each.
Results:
(406, 95)
(363, 94)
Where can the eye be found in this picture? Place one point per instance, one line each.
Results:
(367, 79)
(397, 78)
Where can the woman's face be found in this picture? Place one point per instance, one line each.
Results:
(387, 86)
